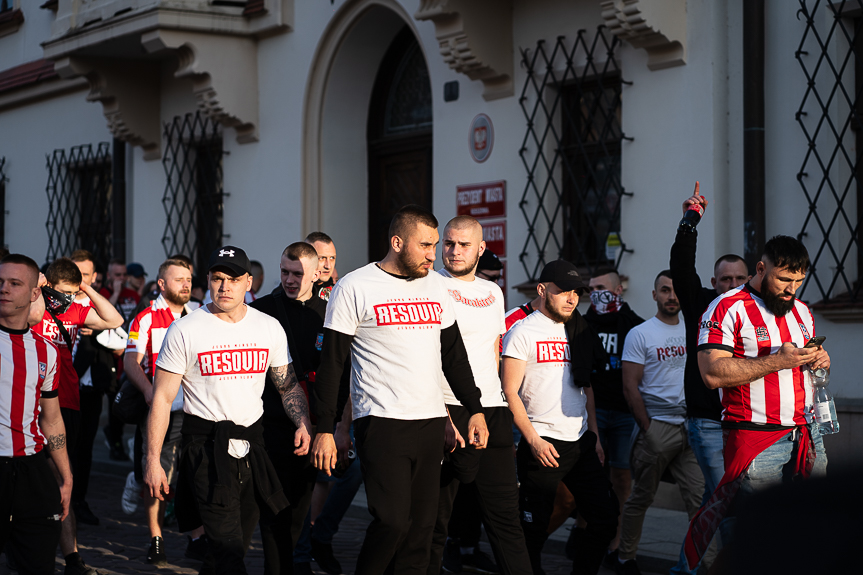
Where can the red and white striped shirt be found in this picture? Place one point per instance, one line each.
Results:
(28, 372)
(514, 316)
(147, 332)
(73, 319)
(739, 322)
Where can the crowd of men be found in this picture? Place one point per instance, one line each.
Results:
(271, 409)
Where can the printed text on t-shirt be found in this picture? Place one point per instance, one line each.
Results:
(668, 352)
(233, 361)
(552, 351)
(413, 313)
(473, 302)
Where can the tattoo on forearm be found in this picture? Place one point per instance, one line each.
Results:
(56, 442)
(293, 398)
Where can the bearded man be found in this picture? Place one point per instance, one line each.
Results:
(396, 322)
(146, 334)
(752, 348)
(557, 420)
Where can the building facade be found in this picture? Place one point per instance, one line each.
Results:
(574, 128)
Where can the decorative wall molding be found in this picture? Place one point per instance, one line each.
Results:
(475, 38)
(658, 26)
(224, 75)
(130, 98)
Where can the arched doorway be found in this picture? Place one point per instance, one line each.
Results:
(399, 136)
(336, 156)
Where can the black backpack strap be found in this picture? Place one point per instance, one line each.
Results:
(62, 328)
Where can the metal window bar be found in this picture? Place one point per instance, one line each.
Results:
(79, 201)
(831, 118)
(571, 151)
(194, 195)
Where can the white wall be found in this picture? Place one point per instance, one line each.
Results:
(27, 136)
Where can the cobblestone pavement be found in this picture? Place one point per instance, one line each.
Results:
(119, 544)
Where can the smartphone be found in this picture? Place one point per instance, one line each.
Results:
(816, 341)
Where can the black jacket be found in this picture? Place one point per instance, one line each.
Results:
(607, 381)
(694, 299)
(303, 323)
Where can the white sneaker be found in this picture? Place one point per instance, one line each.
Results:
(131, 494)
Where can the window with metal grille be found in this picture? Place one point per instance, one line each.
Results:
(194, 195)
(831, 175)
(571, 151)
(79, 201)
(6, 5)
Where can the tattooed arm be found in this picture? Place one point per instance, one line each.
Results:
(285, 381)
(54, 430)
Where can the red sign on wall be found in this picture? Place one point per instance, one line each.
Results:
(486, 200)
(494, 236)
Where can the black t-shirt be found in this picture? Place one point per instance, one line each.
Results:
(322, 290)
(607, 381)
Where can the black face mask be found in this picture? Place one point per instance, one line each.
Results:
(57, 302)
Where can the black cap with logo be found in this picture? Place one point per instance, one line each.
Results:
(231, 259)
(564, 275)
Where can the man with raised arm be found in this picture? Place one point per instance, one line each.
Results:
(221, 354)
(395, 321)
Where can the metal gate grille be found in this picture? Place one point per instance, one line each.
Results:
(831, 57)
(79, 201)
(193, 197)
(571, 152)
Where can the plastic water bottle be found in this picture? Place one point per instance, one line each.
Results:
(825, 408)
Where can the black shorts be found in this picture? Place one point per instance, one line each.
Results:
(30, 512)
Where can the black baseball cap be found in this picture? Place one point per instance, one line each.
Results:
(564, 275)
(489, 261)
(232, 259)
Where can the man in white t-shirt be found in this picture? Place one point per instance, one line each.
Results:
(555, 414)
(395, 320)
(654, 358)
(479, 310)
(221, 354)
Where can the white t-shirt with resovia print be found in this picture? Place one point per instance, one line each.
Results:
(661, 349)
(480, 312)
(555, 406)
(224, 365)
(395, 352)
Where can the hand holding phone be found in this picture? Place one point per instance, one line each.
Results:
(816, 341)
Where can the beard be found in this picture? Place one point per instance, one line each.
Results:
(177, 298)
(555, 313)
(775, 304)
(411, 268)
(468, 268)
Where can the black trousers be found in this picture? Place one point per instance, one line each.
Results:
(91, 411)
(583, 475)
(401, 471)
(297, 476)
(228, 527)
(465, 521)
(492, 471)
(30, 512)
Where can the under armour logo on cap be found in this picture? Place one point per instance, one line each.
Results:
(230, 259)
